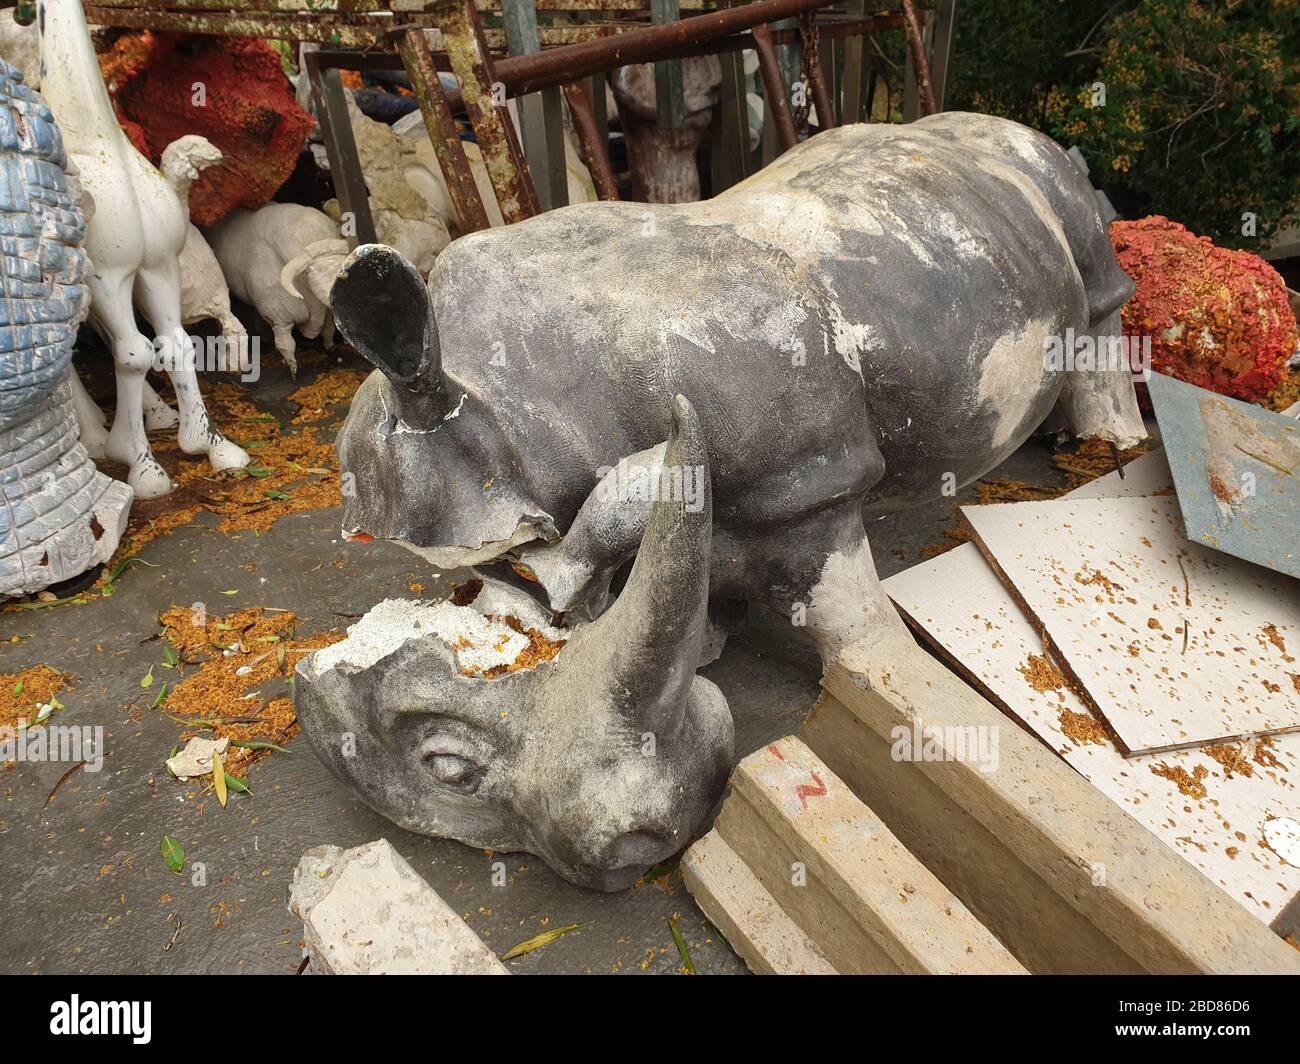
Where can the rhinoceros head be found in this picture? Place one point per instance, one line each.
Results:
(425, 462)
(603, 759)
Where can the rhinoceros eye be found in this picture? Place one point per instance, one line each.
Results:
(455, 771)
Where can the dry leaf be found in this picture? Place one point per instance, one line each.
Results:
(538, 941)
(219, 778)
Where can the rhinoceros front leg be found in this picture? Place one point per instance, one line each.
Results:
(1097, 397)
(827, 582)
(576, 572)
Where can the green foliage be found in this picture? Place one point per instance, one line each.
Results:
(1182, 108)
(1010, 54)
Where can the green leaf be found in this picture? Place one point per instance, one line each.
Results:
(258, 744)
(169, 656)
(528, 945)
(682, 951)
(18, 687)
(236, 784)
(147, 679)
(278, 496)
(158, 701)
(259, 471)
(173, 854)
(232, 592)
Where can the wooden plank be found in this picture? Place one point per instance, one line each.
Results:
(852, 97)
(341, 150)
(866, 902)
(731, 154)
(1098, 863)
(1173, 644)
(485, 106)
(945, 27)
(670, 98)
(471, 214)
(739, 906)
(360, 30)
(541, 121)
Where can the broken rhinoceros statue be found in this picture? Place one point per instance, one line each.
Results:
(863, 326)
(60, 515)
(597, 748)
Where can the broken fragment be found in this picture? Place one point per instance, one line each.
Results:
(196, 759)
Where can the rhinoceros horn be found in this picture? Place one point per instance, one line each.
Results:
(381, 306)
(647, 644)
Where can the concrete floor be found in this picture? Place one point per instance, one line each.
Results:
(85, 885)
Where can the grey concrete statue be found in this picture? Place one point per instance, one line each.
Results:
(862, 326)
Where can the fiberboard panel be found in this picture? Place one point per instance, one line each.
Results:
(1174, 645)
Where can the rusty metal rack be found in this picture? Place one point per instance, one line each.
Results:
(547, 50)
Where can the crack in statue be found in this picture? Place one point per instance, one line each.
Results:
(859, 328)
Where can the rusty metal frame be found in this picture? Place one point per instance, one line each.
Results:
(453, 28)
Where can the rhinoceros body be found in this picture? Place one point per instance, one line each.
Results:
(861, 326)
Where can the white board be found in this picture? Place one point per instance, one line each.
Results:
(1173, 644)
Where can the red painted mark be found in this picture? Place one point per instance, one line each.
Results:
(775, 753)
(803, 792)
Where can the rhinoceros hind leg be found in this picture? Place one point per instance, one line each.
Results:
(1099, 399)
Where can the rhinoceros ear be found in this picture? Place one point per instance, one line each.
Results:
(381, 307)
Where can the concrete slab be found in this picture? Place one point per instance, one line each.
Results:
(841, 875)
(1062, 875)
(366, 912)
(742, 909)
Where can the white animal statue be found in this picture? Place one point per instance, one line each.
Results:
(403, 221)
(281, 259)
(404, 150)
(135, 241)
(204, 295)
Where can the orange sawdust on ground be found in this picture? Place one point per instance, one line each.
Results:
(1041, 674)
(334, 387)
(1082, 728)
(1232, 758)
(1091, 459)
(287, 473)
(1190, 784)
(23, 693)
(211, 688)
